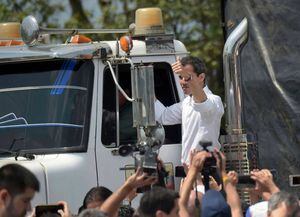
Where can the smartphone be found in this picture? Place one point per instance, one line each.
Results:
(48, 210)
(246, 179)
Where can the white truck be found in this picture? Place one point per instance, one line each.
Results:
(61, 114)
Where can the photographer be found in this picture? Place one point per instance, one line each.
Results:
(197, 160)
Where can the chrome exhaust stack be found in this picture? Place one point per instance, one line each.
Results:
(239, 147)
(232, 75)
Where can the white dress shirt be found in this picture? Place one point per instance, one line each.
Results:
(200, 121)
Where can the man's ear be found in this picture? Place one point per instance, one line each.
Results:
(202, 76)
(160, 213)
(4, 197)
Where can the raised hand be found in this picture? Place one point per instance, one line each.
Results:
(177, 66)
(221, 161)
(232, 177)
(139, 179)
(65, 212)
(198, 160)
(264, 181)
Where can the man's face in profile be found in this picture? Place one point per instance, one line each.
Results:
(19, 204)
(185, 78)
(190, 78)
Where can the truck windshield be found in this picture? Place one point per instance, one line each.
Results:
(45, 106)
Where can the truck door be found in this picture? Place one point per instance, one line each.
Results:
(116, 109)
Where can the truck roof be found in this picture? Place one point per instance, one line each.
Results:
(81, 51)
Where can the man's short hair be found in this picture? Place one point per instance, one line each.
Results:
(156, 199)
(16, 179)
(92, 213)
(100, 193)
(197, 63)
(96, 194)
(290, 200)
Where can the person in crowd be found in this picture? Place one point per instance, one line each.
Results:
(283, 204)
(197, 160)
(159, 202)
(199, 113)
(214, 204)
(264, 183)
(17, 188)
(229, 181)
(211, 202)
(95, 198)
(264, 188)
(92, 213)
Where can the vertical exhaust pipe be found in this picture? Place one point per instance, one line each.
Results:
(240, 147)
(232, 76)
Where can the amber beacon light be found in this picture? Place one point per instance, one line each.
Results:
(9, 31)
(148, 21)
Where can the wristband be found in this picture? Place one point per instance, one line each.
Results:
(225, 179)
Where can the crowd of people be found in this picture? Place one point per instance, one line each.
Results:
(18, 186)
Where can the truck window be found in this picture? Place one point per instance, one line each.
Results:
(165, 91)
(45, 106)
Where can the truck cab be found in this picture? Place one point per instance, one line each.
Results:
(63, 117)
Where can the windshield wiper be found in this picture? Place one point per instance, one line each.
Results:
(17, 154)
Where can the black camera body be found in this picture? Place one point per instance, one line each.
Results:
(211, 162)
(209, 167)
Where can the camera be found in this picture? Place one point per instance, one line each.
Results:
(209, 167)
(211, 162)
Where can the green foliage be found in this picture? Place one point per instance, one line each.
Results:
(16, 10)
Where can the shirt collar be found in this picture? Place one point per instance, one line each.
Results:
(205, 89)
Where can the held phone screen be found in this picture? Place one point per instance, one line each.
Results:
(48, 210)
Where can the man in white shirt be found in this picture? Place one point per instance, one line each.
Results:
(200, 112)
